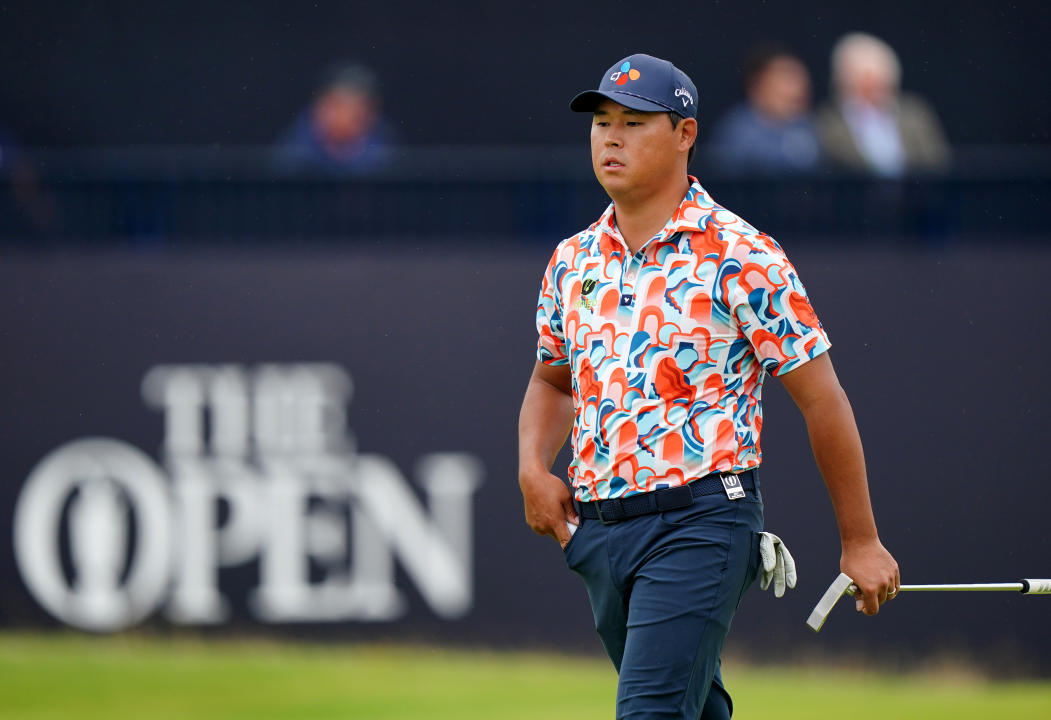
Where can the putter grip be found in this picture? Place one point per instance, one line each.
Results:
(1031, 586)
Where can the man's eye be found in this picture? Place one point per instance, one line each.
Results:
(632, 123)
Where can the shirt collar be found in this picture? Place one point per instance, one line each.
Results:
(691, 216)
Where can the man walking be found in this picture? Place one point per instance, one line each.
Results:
(658, 325)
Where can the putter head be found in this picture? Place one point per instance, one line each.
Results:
(836, 590)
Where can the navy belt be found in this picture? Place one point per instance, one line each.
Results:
(655, 501)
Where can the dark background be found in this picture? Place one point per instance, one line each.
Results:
(236, 73)
(163, 249)
(941, 354)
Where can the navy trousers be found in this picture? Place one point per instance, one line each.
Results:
(663, 589)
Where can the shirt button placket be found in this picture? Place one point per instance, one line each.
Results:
(628, 277)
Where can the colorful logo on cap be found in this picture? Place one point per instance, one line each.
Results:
(626, 72)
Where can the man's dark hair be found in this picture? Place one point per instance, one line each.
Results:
(675, 118)
(349, 76)
(758, 60)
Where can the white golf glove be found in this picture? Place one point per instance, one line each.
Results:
(778, 566)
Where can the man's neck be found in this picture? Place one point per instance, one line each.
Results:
(640, 218)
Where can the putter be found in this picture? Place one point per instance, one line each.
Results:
(843, 585)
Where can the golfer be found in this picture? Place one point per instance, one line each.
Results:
(658, 326)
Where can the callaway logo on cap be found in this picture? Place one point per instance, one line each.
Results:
(643, 82)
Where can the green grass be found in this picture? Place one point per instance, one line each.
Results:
(72, 676)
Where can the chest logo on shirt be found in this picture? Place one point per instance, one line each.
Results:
(587, 288)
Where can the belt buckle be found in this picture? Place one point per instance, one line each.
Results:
(601, 517)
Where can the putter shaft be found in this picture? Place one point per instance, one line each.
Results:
(961, 587)
(843, 585)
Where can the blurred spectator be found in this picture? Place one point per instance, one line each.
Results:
(870, 125)
(773, 131)
(342, 131)
(29, 206)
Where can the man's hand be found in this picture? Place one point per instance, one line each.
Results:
(548, 505)
(875, 574)
(543, 425)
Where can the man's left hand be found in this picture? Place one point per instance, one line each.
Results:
(875, 574)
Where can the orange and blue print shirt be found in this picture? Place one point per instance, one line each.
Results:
(669, 347)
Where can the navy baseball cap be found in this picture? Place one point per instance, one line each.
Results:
(643, 82)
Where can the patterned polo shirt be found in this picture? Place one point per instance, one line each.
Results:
(669, 347)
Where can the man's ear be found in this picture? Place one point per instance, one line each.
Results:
(687, 133)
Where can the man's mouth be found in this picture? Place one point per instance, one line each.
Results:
(611, 163)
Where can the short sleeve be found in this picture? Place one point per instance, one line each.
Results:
(771, 305)
(551, 345)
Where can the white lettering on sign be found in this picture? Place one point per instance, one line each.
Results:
(258, 467)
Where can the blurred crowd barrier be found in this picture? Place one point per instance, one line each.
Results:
(194, 196)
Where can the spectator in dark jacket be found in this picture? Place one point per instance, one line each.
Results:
(772, 132)
(27, 205)
(342, 131)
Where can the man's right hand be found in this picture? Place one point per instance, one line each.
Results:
(548, 504)
(543, 425)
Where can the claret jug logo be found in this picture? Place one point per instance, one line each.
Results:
(258, 470)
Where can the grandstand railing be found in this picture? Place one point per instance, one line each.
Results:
(192, 196)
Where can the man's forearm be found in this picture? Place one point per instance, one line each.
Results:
(837, 449)
(544, 423)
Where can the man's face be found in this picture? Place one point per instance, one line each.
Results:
(869, 79)
(782, 89)
(342, 116)
(634, 150)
